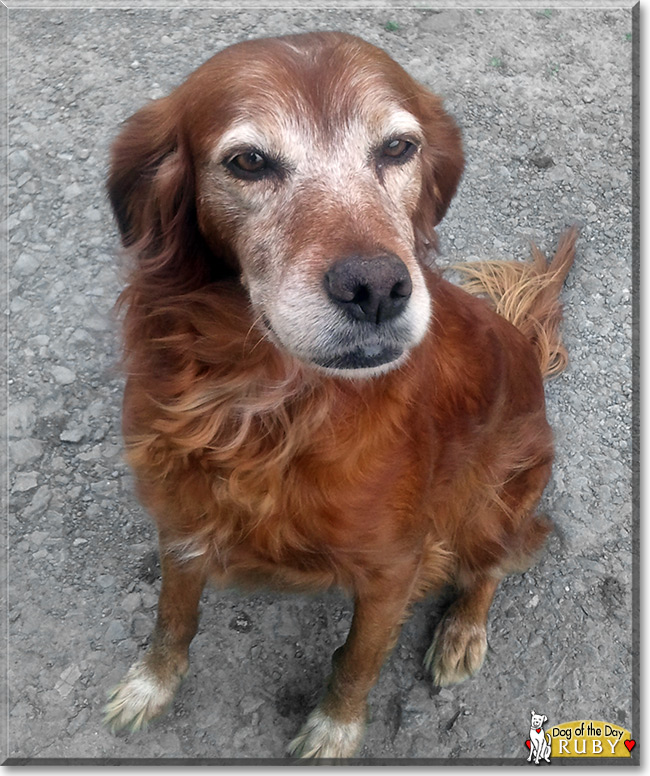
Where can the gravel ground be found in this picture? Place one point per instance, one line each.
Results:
(544, 99)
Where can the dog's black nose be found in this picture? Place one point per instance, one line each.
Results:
(369, 289)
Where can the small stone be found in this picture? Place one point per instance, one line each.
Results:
(72, 191)
(27, 213)
(446, 695)
(72, 434)
(542, 162)
(24, 482)
(23, 450)
(79, 721)
(26, 264)
(241, 623)
(71, 674)
(149, 599)
(96, 322)
(105, 581)
(66, 682)
(131, 602)
(39, 503)
(250, 704)
(63, 375)
(141, 625)
(92, 214)
(20, 417)
(116, 631)
(19, 160)
(443, 21)
(38, 537)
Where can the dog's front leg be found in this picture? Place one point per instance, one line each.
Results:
(150, 684)
(336, 726)
(460, 640)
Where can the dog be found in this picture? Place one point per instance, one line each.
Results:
(540, 746)
(308, 402)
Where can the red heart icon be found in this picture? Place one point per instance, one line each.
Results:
(528, 744)
(539, 730)
(631, 743)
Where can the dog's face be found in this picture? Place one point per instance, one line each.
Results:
(318, 170)
(537, 720)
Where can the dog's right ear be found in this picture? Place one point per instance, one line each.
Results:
(151, 189)
(147, 142)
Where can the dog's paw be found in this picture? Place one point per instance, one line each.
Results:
(457, 650)
(139, 697)
(322, 736)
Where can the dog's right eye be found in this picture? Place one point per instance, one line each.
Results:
(249, 164)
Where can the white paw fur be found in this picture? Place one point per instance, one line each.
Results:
(321, 736)
(138, 698)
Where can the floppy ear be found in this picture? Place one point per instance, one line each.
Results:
(151, 190)
(443, 163)
(148, 140)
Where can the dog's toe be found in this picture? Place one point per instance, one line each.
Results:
(322, 736)
(138, 698)
(457, 650)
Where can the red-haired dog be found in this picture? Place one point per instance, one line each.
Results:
(308, 402)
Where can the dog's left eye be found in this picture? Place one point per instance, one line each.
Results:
(397, 149)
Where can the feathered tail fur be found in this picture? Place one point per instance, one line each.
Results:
(526, 294)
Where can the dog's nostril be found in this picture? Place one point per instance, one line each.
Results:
(361, 296)
(402, 288)
(375, 289)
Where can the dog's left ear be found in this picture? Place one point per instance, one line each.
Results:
(545, 719)
(443, 163)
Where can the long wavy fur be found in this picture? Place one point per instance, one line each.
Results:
(526, 294)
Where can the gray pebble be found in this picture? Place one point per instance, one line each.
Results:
(63, 375)
(24, 482)
(26, 264)
(116, 631)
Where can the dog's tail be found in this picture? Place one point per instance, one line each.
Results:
(526, 294)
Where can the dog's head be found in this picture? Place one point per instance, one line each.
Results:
(537, 720)
(314, 168)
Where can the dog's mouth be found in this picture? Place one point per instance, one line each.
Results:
(356, 361)
(367, 357)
